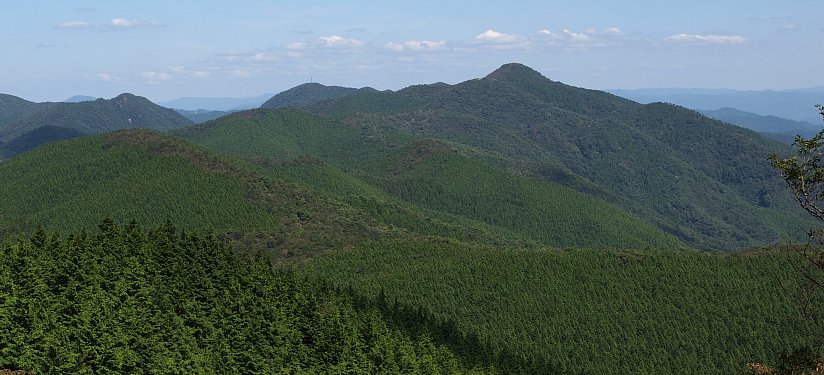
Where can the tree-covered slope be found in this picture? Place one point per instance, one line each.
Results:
(150, 177)
(431, 175)
(125, 111)
(307, 94)
(124, 300)
(589, 311)
(13, 108)
(704, 181)
(437, 176)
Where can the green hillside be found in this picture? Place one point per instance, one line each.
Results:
(427, 174)
(50, 121)
(122, 300)
(307, 94)
(438, 177)
(586, 311)
(13, 108)
(150, 177)
(703, 181)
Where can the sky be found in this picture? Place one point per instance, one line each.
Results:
(169, 49)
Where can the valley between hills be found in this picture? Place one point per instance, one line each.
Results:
(505, 224)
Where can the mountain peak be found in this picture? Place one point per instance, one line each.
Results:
(514, 72)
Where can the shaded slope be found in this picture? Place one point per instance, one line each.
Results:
(36, 137)
(389, 176)
(13, 108)
(704, 181)
(151, 177)
(307, 94)
(590, 311)
(436, 176)
(125, 111)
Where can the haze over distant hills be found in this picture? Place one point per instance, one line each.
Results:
(24, 125)
(465, 215)
(796, 105)
(216, 104)
(774, 127)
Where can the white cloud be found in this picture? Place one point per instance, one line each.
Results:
(127, 24)
(576, 37)
(789, 27)
(73, 25)
(393, 47)
(614, 31)
(709, 38)
(155, 77)
(237, 73)
(416, 45)
(546, 34)
(122, 22)
(337, 41)
(296, 45)
(498, 37)
(107, 77)
(182, 70)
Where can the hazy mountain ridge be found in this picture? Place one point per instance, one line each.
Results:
(308, 94)
(675, 168)
(798, 105)
(774, 127)
(88, 117)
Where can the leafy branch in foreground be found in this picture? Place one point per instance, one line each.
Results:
(804, 174)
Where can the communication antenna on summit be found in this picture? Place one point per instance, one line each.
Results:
(311, 80)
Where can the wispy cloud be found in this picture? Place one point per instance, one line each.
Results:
(416, 45)
(69, 25)
(492, 36)
(337, 41)
(614, 31)
(107, 77)
(708, 38)
(130, 24)
(182, 70)
(155, 77)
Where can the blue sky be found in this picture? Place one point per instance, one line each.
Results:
(169, 49)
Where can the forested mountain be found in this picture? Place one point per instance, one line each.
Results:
(309, 93)
(126, 300)
(199, 116)
(798, 105)
(588, 311)
(774, 127)
(703, 181)
(13, 108)
(52, 121)
(508, 224)
(426, 173)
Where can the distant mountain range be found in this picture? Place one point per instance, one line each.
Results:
(692, 178)
(25, 125)
(798, 105)
(780, 129)
(80, 98)
(216, 104)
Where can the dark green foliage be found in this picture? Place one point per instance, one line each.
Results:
(428, 174)
(36, 137)
(698, 179)
(122, 300)
(13, 108)
(282, 135)
(433, 175)
(308, 94)
(151, 177)
(591, 311)
(125, 111)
